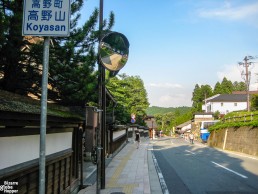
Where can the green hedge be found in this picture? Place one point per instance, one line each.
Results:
(237, 119)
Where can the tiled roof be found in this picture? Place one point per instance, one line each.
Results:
(183, 124)
(229, 98)
(244, 92)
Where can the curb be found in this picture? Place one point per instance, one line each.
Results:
(161, 179)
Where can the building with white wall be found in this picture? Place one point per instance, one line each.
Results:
(225, 103)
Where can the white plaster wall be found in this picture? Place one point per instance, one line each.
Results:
(227, 107)
(117, 134)
(19, 149)
(202, 116)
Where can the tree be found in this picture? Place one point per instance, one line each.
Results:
(239, 86)
(199, 94)
(182, 118)
(254, 102)
(167, 120)
(196, 98)
(130, 94)
(14, 75)
(164, 120)
(217, 89)
(73, 60)
(158, 118)
(206, 91)
(226, 86)
(72, 78)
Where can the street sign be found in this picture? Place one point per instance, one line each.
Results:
(133, 118)
(46, 18)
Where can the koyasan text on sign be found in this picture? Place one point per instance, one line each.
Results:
(46, 18)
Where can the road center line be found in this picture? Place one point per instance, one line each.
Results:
(243, 176)
(190, 152)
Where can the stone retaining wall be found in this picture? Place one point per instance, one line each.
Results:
(243, 139)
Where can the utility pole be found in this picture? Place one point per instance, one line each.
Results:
(246, 75)
(256, 79)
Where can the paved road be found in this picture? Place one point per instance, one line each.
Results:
(112, 62)
(199, 169)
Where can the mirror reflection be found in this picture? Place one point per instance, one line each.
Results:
(114, 51)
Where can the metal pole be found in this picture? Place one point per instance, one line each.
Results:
(82, 141)
(98, 154)
(103, 105)
(43, 118)
(101, 81)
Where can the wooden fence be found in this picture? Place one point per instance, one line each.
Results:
(241, 118)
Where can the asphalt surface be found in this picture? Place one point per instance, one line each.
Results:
(200, 169)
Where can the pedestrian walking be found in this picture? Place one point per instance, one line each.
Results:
(191, 136)
(137, 139)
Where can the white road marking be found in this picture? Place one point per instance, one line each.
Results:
(243, 176)
(190, 152)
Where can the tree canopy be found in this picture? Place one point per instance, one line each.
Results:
(72, 76)
(202, 92)
(72, 60)
(130, 95)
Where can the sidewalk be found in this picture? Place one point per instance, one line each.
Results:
(131, 171)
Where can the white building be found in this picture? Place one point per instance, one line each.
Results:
(184, 127)
(225, 103)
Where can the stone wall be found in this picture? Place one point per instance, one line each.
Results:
(243, 139)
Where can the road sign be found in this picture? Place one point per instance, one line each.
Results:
(46, 18)
(133, 116)
(132, 120)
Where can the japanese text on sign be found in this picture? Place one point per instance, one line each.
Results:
(46, 17)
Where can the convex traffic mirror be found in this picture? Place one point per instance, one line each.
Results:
(114, 51)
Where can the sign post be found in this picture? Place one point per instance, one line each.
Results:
(45, 18)
(43, 118)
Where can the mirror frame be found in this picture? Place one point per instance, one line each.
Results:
(111, 56)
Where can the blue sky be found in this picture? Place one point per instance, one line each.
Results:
(176, 44)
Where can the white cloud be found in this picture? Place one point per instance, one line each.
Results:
(165, 85)
(234, 73)
(169, 98)
(231, 72)
(168, 95)
(175, 100)
(227, 11)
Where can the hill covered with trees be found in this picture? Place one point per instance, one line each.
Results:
(167, 118)
(162, 110)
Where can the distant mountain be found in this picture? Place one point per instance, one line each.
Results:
(162, 110)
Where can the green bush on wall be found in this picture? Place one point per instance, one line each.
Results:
(237, 119)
